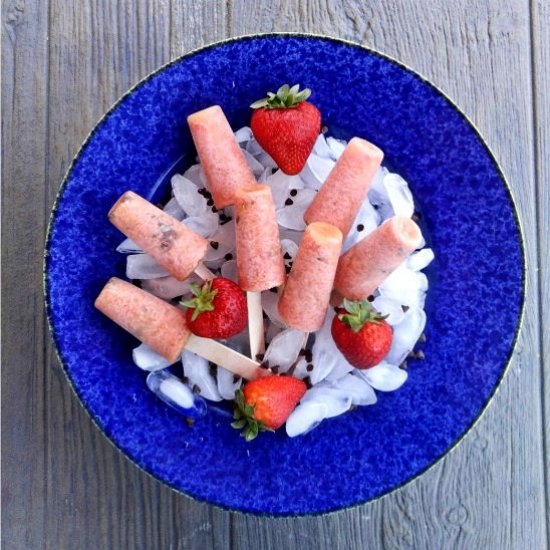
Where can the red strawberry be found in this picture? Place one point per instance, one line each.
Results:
(286, 126)
(361, 334)
(217, 310)
(266, 403)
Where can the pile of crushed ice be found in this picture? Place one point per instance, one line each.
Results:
(335, 386)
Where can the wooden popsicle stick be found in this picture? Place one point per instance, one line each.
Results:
(256, 329)
(225, 357)
(204, 273)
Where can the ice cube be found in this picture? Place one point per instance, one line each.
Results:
(378, 195)
(256, 167)
(206, 224)
(384, 377)
(326, 355)
(148, 359)
(197, 371)
(195, 174)
(225, 234)
(366, 221)
(229, 270)
(336, 401)
(336, 147)
(405, 335)
(270, 301)
(271, 331)
(304, 418)
(281, 185)
(188, 196)
(419, 260)
(295, 236)
(405, 286)
(400, 195)
(173, 392)
(129, 247)
(264, 175)
(321, 148)
(266, 161)
(173, 209)
(253, 147)
(284, 348)
(169, 287)
(243, 134)
(389, 307)
(228, 383)
(340, 370)
(360, 392)
(292, 216)
(315, 171)
(142, 266)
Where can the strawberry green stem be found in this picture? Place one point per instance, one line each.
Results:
(358, 313)
(285, 98)
(203, 299)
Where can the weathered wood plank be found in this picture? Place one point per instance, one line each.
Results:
(65, 483)
(24, 101)
(485, 494)
(541, 74)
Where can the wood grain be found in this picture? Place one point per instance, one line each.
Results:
(65, 62)
(483, 494)
(541, 85)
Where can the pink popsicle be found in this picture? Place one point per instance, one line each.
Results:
(303, 304)
(345, 188)
(365, 265)
(153, 321)
(259, 259)
(175, 247)
(221, 157)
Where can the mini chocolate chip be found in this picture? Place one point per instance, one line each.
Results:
(405, 308)
(353, 407)
(236, 378)
(309, 356)
(215, 210)
(213, 369)
(420, 355)
(287, 256)
(403, 365)
(228, 256)
(201, 191)
(226, 220)
(422, 338)
(370, 298)
(324, 129)
(307, 382)
(293, 192)
(195, 389)
(184, 379)
(288, 202)
(190, 421)
(360, 227)
(274, 289)
(416, 216)
(302, 352)
(309, 368)
(260, 356)
(275, 369)
(209, 202)
(264, 365)
(287, 269)
(214, 245)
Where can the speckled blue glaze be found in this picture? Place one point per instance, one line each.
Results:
(475, 299)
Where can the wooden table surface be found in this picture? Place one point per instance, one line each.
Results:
(64, 63)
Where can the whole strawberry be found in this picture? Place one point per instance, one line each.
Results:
(266, 403)
(217, 310)
(286, 126)
(361, 334)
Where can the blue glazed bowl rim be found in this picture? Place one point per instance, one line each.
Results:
(282, 35)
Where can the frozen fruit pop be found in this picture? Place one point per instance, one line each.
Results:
(260, 261)
(151, 320)
(163, 327)
(365, 265)
(345, 188)
(168, 241)
(221, 157)
(304, 302)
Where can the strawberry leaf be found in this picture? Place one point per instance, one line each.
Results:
(359, 313)
(285, 98)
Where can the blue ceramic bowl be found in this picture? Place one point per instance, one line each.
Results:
(476, 282)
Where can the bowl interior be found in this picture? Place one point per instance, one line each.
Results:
(475, 296)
